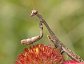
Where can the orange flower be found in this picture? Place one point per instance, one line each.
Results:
(40, 54)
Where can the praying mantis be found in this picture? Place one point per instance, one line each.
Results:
(52, 37)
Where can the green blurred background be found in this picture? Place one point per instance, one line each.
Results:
(65, 17)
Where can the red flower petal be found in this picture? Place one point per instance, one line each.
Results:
(72, 62)
(40, 54)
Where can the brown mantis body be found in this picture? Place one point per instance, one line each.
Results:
(52, 37)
